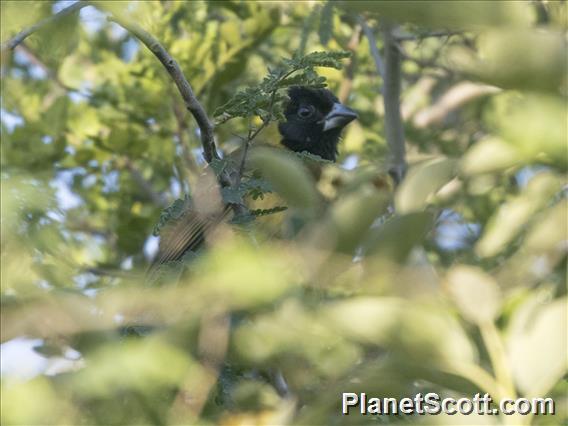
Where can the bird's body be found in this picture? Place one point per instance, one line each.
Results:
(314, 121)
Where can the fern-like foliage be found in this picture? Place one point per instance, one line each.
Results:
(173, 212)
(266, 212)
(267, 99)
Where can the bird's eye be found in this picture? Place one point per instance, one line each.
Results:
(306, 111)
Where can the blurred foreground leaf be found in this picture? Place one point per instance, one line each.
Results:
(422, 182)
(538, 345)
(475, 293)
(512, 216)
(440, 13)
(398, 236)
(288, 176)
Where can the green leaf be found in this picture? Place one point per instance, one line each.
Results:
(350, 217)
(265, 100)
(266, 212)
(537, 346)
(533, 126)
(441, 13)
(398, 236)
(489, 156)
(232, 195)
(173, 212)
(512, 216)
(131, 366)
(410, 329)
(218, 165)
(475, 293)
(550, 230)
(288, 176)
(539, 58)
(422, 182)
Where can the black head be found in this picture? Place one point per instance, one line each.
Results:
(314, 120)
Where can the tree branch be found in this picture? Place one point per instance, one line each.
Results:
(390, 71)
(184, 88)
(391, 97)
(22, 35)
(227, 178)
(379, 64)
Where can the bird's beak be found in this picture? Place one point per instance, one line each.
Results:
(339, 116)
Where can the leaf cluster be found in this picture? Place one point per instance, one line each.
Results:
(266, 100)
(172, 212)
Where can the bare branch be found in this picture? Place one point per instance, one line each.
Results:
(427, 63)
(373, 46)
(227, 178)
(184, 88)
(390, 71)
(22, 35)
(391, 97)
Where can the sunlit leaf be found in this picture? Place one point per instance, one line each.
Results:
(512, 216)
(489, 156)
(142, 366)
(48, 407)
(391, 323)
(351, 217)
(439, 13)
(475, 293)
(422, 181)
(398, 236)
(550, 230)
(534, 53)
(288, 177)
(538, 346)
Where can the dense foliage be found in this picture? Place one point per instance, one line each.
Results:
(453, 281)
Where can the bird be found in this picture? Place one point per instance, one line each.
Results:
(314, 119)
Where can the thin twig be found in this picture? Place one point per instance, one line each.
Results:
(227, 178)
(22, 35)
(184, 88)
(421, 36)
(427, 63)
(265, 122)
